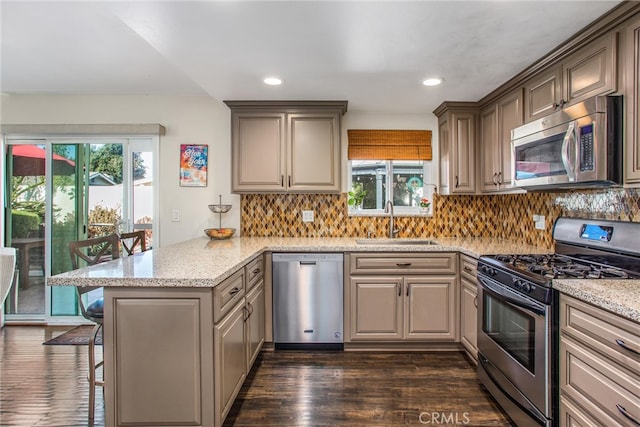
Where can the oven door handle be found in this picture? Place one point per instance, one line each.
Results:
(511, 297)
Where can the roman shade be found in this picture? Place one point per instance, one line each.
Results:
(373, 144)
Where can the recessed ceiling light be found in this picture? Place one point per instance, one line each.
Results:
(435, 81)
(272, 81)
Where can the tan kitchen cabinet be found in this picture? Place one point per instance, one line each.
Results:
(400, 298)
(632, 102)
(496, 123)
(590, 71)
(178, 356)
(286, 147)
(599, 366)
(457, 138)
(469, 305)
(230, 344)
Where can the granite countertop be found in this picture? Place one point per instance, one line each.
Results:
(618, 296)
(202, 262)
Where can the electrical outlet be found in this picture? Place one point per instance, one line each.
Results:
(539, 222)
(175, 215)
(307, 216)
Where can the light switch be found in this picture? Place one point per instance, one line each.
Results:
(539, 222)
(307, 216)
(175, 215)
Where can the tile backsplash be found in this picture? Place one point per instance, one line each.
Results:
(503, 216)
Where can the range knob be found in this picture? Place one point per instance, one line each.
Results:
(517, 283)
(526, 287)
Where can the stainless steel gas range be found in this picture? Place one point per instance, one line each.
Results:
(518, 311)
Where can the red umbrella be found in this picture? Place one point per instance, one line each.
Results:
(29, 160)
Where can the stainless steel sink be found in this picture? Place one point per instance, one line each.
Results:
(405, 242)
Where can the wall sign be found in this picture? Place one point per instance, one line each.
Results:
(193, 165)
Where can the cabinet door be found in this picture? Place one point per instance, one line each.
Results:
(509, 117)
(489, 147)
(463, 156)
(445, 155)
(632, 103)
(255, 323)
(258, 151)
(146, 330)
(376, 308)
(313, 160)
(542, 93)
(430, 308)
(230, 360)
(469, 316)
(590, 71)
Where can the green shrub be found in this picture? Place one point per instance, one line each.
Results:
(22, 222)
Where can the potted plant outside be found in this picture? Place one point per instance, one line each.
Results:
(356, 195)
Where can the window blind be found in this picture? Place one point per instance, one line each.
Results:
(373, 144)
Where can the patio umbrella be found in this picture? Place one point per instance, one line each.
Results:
(29, 160)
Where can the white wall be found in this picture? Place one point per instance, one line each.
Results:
(188, 120)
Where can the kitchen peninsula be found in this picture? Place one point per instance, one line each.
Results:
(179, 337)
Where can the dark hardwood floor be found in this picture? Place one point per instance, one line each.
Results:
(46, 386)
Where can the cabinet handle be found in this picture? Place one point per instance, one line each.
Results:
(250, 308)
(408, 289)
(624, 412)
(256, 271)
(289, 180)
(234, 291)
(499, 178)
(245, 314)
(457, 182)
(468, 269)
(475, 301)
(626, 346)
(403, 264)
(494, 179)
(399, 289)
(281, 180)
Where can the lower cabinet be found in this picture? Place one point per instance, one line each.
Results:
(164, 363)
(469, 305)
(599, 366)
(230, 360)
(412, 306)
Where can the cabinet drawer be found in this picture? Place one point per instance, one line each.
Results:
(227, 293)
(405, 263)
(469, 267)
(617, 338)
(254, 272)
(598, 384)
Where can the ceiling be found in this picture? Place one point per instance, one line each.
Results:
(374, 54)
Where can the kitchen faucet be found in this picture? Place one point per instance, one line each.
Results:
(388, 208)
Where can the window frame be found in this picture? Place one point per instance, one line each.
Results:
(406, 211)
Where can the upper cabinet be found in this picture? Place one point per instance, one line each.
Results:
(286, 146)
(632, 104)
(457, 137)
(496, 122)
(588, 72)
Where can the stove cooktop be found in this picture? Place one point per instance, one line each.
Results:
(556, 266)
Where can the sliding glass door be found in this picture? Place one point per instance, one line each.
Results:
(82, 189)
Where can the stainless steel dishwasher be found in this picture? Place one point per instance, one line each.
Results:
(308, 301)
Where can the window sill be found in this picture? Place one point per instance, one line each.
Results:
(365, 213)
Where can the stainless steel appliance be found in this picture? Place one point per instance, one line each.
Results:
(518, 311)
(308, 300)
(579, 146)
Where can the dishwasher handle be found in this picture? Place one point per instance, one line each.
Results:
(307, 263)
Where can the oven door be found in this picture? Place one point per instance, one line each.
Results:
(514, 341)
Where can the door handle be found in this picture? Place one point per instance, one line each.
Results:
(567, 162)
(307, 263)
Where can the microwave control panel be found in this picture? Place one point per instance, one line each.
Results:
(586, 148)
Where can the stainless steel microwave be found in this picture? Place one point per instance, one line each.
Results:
(577, 147)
